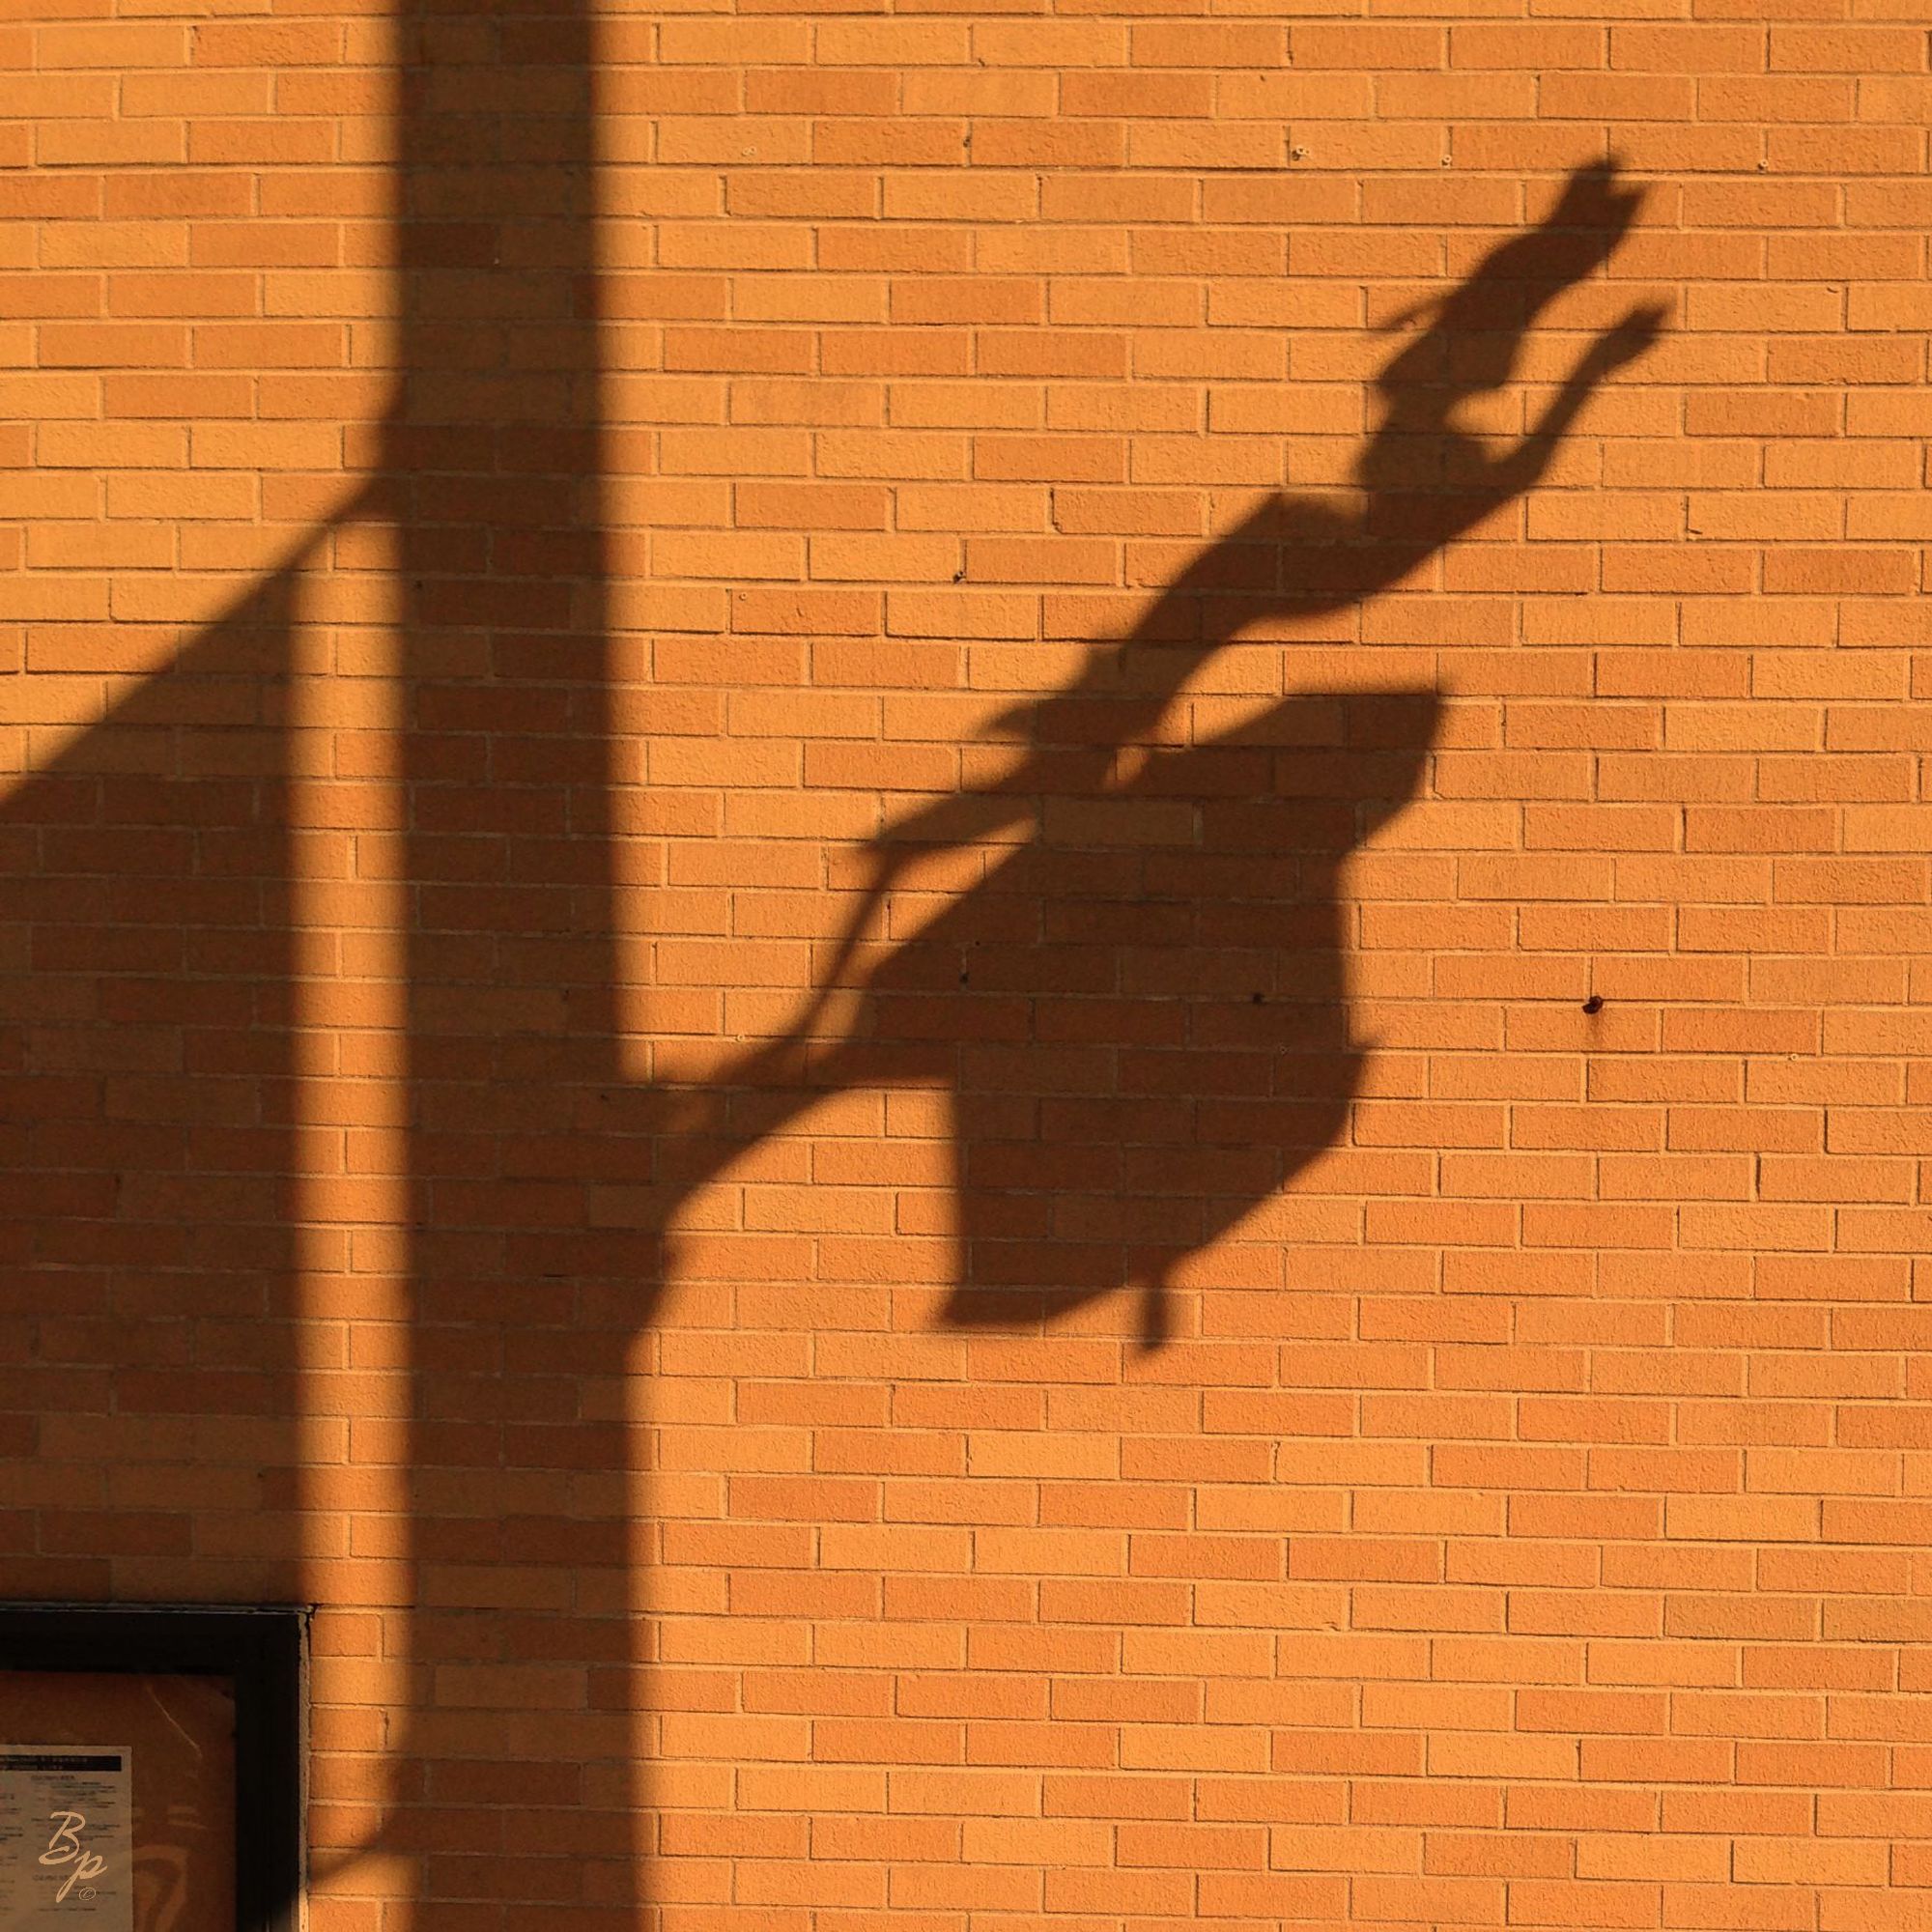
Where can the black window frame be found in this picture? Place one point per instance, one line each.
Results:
(262, 1650)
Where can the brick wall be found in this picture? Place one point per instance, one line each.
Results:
(980, 946)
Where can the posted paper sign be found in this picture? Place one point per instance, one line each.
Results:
(66, 1838)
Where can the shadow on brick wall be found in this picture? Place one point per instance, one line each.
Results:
(1138, 1010)
(147, 1088)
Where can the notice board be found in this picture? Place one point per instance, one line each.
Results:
(149, 1770)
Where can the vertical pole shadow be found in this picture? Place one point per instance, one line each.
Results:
(519, 1785)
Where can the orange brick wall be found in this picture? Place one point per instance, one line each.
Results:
(1355, 1364)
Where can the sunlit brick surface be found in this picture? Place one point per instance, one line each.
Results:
(1355, 1364)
